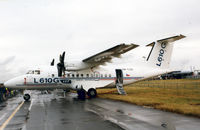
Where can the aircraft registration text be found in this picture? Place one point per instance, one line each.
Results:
(161, 54)
(52, 80)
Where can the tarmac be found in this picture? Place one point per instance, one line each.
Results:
(55, 112)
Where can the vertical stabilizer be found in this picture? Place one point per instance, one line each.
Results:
(161, 51)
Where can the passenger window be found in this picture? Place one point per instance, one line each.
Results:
(87, 75)
(109, 75)
(72, 75)
(101, 75)
(91, 75)
(68, 75)
(77, 75)
(97, 75)
(81, 75)
(105, 75)
(52, 75)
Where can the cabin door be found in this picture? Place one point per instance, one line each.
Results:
(119, 81)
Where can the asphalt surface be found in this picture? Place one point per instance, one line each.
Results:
(55, 112)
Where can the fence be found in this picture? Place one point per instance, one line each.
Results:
(170, 84)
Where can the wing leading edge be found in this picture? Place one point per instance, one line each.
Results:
(107, 55)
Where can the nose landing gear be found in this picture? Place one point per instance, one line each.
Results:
(27, 97)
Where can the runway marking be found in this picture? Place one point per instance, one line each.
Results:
(29, 109)
(11, 116)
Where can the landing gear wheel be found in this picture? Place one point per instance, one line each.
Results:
(27, 97)
(81, 94)
(92, 93)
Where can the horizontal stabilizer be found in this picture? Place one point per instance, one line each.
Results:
(168, 40)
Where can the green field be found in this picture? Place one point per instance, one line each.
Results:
(180, 96)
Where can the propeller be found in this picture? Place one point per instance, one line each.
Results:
(52, 63)
(61, 65)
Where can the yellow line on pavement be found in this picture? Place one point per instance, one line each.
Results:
(11, 116)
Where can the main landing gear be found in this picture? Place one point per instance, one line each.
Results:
(92, 93)
(27, 97)
(81, 94)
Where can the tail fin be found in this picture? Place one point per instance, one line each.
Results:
(160, 54)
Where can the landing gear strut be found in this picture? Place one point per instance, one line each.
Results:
(92, 93)
(27, 97)
(81, 94)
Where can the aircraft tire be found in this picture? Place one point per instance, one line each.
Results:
(27, 97)
(92, 93)
(81, 94)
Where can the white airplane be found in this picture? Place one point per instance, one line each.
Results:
(87, 75)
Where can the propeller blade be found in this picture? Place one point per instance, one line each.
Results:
(61, 65)
(59, 70)
(60, 58)
(52, 63)
(63, 56)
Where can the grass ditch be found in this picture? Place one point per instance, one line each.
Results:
(179, 96)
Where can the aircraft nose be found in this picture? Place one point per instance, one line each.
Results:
(10, 83)
(13, 83)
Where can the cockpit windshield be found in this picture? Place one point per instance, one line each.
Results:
(33, 72)
(30, 72)
(37, 72)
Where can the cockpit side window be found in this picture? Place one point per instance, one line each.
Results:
(33, 72)
(37, 72)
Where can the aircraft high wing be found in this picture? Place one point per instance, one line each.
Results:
(108, 54)
(100, 58)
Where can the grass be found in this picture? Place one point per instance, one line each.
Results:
(179, 96)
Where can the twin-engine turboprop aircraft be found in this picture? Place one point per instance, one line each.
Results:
(87, 75)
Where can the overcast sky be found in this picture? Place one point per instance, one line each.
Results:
(32, 32)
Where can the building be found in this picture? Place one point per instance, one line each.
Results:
(177, 75)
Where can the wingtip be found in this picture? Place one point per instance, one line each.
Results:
(182, 36)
